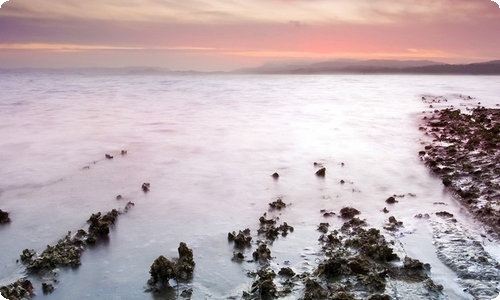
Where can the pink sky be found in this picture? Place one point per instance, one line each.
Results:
(228, 34)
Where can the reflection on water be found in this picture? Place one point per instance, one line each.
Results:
(208, 145)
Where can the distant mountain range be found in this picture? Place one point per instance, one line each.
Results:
(340, 66)
(376, 67)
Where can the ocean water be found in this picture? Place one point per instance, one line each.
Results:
(208, 145)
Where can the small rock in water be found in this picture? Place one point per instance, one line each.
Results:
(119, 197)
(109, 156)
(4, 217)
(275, 175)
(391, 200)
(321, 172)
(47, 288)
(146, 186)
(124, 152)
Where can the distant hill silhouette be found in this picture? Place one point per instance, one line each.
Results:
(378, 67)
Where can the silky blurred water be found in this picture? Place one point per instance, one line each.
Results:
(208, 145)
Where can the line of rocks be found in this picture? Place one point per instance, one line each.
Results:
(66, 253)
(465, 154)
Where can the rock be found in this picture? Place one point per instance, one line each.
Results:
(278, 204)
(241, 240)
(385, 210)
(444, 214)
(262, 253)
(286, 272)
(21, 289)
(323, 227)
(66, 253)
(391, 200)
(162, 270)
(348, 212)
(238, 256)
(187, 293)
(146, 186)
(27, 255)
(124, 152)
(264, 287)
(185, 264)
(321, 172)
(393, 224)
(342, 181)
(275, 175)
(4, 217)
(119, 197)
(108, 156)
(47, 288)
(100, 225)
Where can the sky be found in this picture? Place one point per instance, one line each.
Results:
(222, 35)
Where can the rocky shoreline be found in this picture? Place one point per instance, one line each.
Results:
(465, 154)
(354, 261)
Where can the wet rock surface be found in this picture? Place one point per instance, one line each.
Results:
(163, 270)
(464, 153)
(21, 289)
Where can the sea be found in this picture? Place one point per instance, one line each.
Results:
(208, 145)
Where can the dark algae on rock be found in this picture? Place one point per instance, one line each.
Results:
(465, 154)
(163, 270)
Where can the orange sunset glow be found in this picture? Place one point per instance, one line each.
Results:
(225, 35)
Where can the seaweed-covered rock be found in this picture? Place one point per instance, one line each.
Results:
(264, 287)
(262, 253)
(242, 239)
(348, 212)
(314, 290)
(287, 272)
(269, 229)
(278, 204)
(4, 217)
(393, 224)
(323, 227)
(352, 223)
(27, 255)
(66, 252)
(100, 225)
(21, 289)
(162, 270)
(185, 264)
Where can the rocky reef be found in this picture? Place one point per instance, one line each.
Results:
(465, 154)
